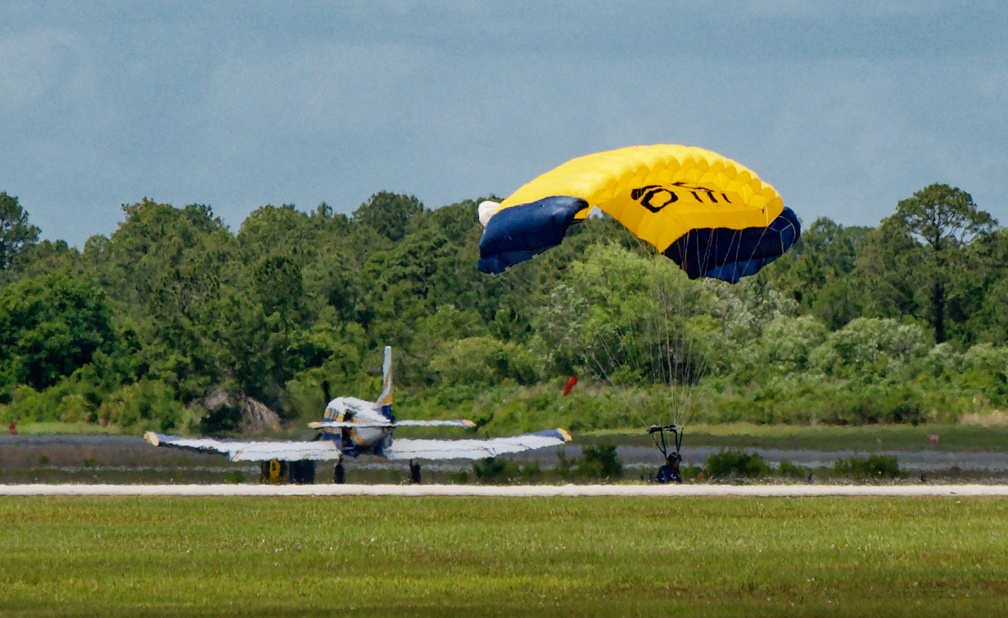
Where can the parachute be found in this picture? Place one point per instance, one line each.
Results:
(710, 215)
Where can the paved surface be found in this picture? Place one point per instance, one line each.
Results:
(114, 450)
(670, 491)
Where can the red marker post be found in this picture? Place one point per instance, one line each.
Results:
(570, 385)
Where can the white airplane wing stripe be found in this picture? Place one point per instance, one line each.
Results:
(474, 449)
(319, 450)
(349, 425)
(387, 425)
(458, 423)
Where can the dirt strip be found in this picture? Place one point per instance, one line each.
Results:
(506, 491)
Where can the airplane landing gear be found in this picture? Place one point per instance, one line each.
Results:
(277, 472)
(273, 472)
(339, 474)
(302, 472)
(414, 472)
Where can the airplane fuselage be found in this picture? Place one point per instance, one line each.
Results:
(356, 441)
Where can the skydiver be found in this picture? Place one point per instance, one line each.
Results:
(670, 471)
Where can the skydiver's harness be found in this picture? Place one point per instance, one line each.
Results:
(669, 472)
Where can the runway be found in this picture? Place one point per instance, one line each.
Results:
(511, 491)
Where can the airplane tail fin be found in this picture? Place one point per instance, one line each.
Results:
(385, 399)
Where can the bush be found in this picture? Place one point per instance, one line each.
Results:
(495, 471)
(483, 360)
(871, 467)
(600, 462)
(869, 348)
(27, 404)
(736, 463)
(460, 477)
(789, 470)
(148, 404)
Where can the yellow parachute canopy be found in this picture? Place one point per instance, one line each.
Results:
(710, 214)
(692, 188)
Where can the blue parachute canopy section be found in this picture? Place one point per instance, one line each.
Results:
(520, 233)
(728, 254)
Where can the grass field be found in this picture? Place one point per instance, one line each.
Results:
(504, 556)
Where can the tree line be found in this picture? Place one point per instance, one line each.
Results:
(897, 323)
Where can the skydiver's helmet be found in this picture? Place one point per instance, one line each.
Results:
(673, 460)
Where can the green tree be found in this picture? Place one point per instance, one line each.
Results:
(16, 233)
(279, 230)
(50, 326)
(388, 213)
(817, 271)
(786, 343)
(868, 348)
(943, 220)
(991, 322)
(167, 269)
(988, 322)
(45, 257)
(887, 266)
(402, 285)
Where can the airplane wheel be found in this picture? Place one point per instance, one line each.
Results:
(414, 473)
(302, 472)
(339, 474)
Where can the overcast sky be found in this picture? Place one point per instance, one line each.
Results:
(845, 107)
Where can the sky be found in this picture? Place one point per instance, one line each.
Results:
(845, 107)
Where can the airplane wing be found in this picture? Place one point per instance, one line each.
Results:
(474, 449)
(317, 450)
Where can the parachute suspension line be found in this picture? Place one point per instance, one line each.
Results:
(696, 356)
(755, 246)
(686, 366)
(671, 351)
(525, 289)
(674, 339)
(644, 337)
(628, 348)
(599, 366)
(520, 293)
(602, 342)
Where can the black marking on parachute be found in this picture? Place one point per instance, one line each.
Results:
(651, 193)
(649, 196)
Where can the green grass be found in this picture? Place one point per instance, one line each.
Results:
(479, 556)
(951, 437)
(30, 428)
